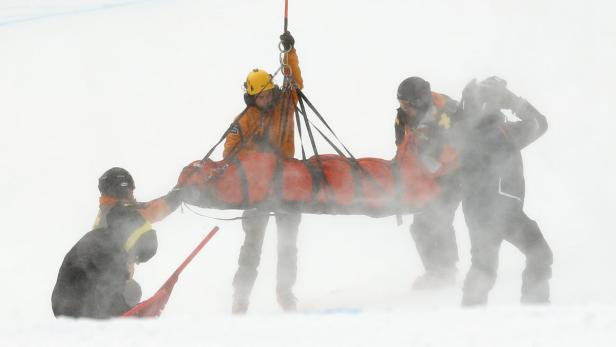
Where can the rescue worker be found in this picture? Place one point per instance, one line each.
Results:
(127, 241)
(493, 189)
(429, 116)
(267, 124)
(116, 185)
(95, 278)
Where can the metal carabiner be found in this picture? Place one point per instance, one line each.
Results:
(284, 60)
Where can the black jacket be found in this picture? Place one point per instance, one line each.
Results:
(92, 278)
(489, 148)
(433, 131)
(442, 106)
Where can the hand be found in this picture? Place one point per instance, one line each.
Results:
(287, 40)
(131, 269)
(188, 172)
(471, 100)
(177, 195)
(494, 91)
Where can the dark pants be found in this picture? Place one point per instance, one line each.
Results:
(254, 225)
(491, 218)
(433, 232)
(95, 301)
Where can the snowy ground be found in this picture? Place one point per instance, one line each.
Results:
(151, 85)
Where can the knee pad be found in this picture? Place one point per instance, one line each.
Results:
(132, 293)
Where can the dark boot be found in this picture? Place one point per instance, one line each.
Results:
(539, 259)
(535, 287)
(477, 286)
(240, 305)
(436, 279)
(537, 294)
(287, 301)
(435, 240)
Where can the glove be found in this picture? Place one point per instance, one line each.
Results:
(187, 173)
(287, 40)
(494, 91)
(176, 196)
(471, 100)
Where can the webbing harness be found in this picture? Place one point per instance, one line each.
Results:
(290, 86)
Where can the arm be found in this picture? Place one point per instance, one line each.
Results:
(158, 209)
(494, 94)
(295, 70)
(290, 58)
(239, 131)
(531, 126)
(233, 139)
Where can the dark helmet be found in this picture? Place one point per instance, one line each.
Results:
(116, 182)
(417, 92)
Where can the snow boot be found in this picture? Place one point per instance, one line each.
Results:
(436, 279)
(535, 292)
(477, 286)
(288, 302)
(239, 306)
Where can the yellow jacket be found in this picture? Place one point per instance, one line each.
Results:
(256, 127)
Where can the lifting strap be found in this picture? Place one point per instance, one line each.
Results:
(316, 112)
(351, 157)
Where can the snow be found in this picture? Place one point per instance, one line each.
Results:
(151, 85)
(519, 327)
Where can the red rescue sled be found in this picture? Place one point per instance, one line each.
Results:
(324, 184)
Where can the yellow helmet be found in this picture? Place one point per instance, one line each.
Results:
(258, 81)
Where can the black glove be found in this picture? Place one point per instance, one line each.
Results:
(494, 91)
(471, 100)
(176, 196)
(287, 40)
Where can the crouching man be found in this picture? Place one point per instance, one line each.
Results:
(95, 278)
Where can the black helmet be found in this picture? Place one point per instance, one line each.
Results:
(416, 91)
(116, 182)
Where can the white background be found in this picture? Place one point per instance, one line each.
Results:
(151, 85)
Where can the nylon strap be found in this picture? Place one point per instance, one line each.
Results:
(316, 112)
(224, 136)
(299, 130)
(352, 158)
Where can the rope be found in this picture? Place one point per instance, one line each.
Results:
(226, 219)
